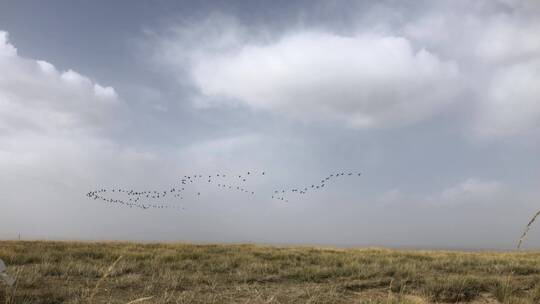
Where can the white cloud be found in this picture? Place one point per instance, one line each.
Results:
(73, 78)
(365, 80)
(35, 96)
(511, 105)
(498, 52)
(105, 92)
(46, 67)
(6, 49)
(485, 64)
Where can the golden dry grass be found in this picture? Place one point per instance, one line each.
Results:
(72, 272)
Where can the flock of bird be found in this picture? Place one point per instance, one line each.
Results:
(162, 199)
(156, 199)
(281, 193)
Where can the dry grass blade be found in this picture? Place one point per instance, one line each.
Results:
(140, 300)
(527, 228)
(105, 275)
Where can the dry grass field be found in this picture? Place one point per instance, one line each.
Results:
(72, 272)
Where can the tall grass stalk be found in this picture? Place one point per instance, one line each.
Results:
(140, 300)
(527, 228)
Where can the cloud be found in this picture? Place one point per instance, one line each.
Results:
(498, 52)
(6, 49)
(54, 136)
(366, 80)
(508, 38)
(510, 48)
(58, 140)
(105, 92)
(35, 96)
(181, 45)
(511, 105)
(60, 137)
(483, 68)
(469, 192)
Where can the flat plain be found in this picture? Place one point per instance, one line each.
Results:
(84, 272)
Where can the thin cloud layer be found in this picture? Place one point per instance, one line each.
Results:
(465, 194)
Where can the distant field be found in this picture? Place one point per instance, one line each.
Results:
(70, 272)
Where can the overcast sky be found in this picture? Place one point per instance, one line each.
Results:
(435, 102)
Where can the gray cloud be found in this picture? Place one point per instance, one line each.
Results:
(372, 77)
(366, 80)
(495, 45)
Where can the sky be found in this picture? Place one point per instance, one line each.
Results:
(434, 102)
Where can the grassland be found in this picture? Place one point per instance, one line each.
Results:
(71, 272)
